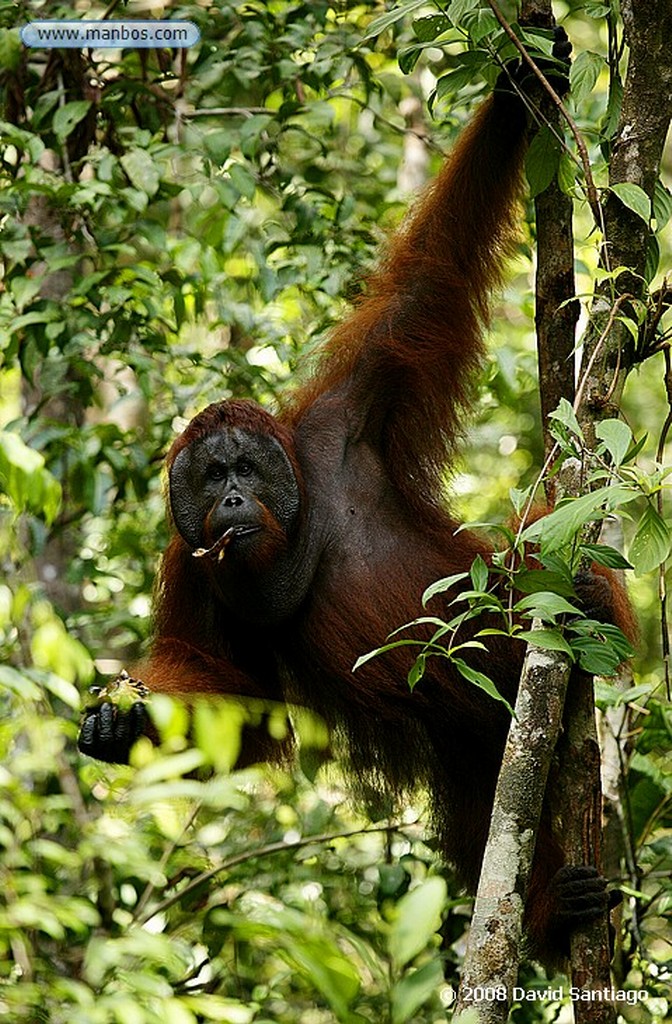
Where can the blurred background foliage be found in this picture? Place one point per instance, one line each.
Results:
(179, 227)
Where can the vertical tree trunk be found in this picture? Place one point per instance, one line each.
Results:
(608, 347)
(556, 308)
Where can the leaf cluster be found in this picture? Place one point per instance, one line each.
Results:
(178, 891)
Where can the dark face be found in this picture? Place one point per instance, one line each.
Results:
(233, 485)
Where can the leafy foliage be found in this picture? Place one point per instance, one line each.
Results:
(151, 894)
(178, 228)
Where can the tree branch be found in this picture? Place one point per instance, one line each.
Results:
(493, 950)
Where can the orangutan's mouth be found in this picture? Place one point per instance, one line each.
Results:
(217, 551)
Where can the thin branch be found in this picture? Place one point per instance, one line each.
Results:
(662, 585)
(380, 119)
(226, 112)
(167, 853)
(621, 300)
(262, 851)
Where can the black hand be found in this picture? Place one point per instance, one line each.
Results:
(579, 895)
(517, 74)
(108, 733)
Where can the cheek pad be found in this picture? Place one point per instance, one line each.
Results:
(187, 510)
(278, 488)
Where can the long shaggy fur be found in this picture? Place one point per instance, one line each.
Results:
(368, 438)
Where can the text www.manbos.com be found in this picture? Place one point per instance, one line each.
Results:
(110, 34)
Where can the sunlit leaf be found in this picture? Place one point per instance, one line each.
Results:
(25, 480)
(441, 586)
(617, 438)
(584, 72)
(141, 170)
(459, 8)
(385, 21)
(547, 639)
(418, 917)
(635, 198)
(545, 605)
(68, 117)
(652, 542)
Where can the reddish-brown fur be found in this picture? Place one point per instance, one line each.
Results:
(421, 352)
(369, 437)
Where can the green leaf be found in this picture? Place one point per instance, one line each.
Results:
(482, 681)
(568, 175)
(214, 1008)
(594, 658)
(393, 880)
(409, 56)
(459, 8)
(565, 414)
(548, 639)
(218, 731)
(613, 634)
(11, 49)
(662, 205)
(546, 605)
(417, 671)
(418, 917)
(583, 74)
(80, 664)
(542, 160)
(386, 21)
(414, 989)
(243, 180)
(614, 105)
(452, 82)
(68, 117)
(297, 938)
(370, 655)
(656, 726)
(481, 24)
(560, 527)
(610, 695)
(441, 586)
(531, 581)
(141, 170)
(652, 259)
(519, 498)
(218, 145)
(428, 28)
(253, 133)
(479, 574)
(605, 555)
(600, 647)
(652, 542)
(631, 325)
(25, 480)
(635, 198)
(19, 683)
(617, 437)
(36, 316)
(329, 970)
(636, 449)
